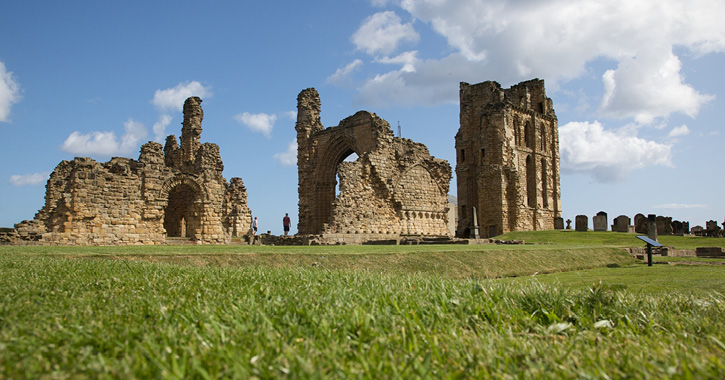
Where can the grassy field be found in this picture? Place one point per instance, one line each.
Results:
(359, 312)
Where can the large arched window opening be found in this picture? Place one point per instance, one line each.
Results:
(181, 217)
(544, 184)
(352, 157)
(530, 182)
(529, 135)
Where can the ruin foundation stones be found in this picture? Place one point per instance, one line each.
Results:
(395, 187)
(174, 191)
(507, 158)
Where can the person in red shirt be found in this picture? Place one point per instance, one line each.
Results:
(286, 223)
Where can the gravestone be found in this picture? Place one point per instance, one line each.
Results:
(582, 223)
(664, 225)
(558, 223)
(621, 224)
(677, 228)
(599, 221)
(640, 224)
(568, 224)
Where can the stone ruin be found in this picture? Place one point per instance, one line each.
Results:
(171, 191)
(394, 189)
(507, 158)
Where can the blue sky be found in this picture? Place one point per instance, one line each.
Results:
(637, 87)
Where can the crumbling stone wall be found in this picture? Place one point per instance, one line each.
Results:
(395, 187)
(507, 158)
(174, 191)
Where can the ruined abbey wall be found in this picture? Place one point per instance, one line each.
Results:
(174, 191)
(507, 159)
(394, 188)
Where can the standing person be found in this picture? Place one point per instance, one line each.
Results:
(285, 223)
(254, 226)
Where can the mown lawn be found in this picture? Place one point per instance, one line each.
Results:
(312, 312)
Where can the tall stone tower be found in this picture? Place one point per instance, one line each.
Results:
(191, 128)
(507, 159)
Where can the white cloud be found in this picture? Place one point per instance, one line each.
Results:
(607, 155)
(431, 82)
(29, 179)
(408, 60)
(382, 32)
(288, 157)
(9, 92)
(106, 143)
(159, 127)
(679, 131)
(557, 40)
(679, 206)
(172, 99)
(341, 75)
(648, 87)
(258, 122)
(291, 114)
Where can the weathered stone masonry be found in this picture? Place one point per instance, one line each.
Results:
(394, 188)
(507, 158)
(177, 191)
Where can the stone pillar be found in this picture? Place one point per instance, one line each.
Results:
(191, 128)
(582, 223)
(474, 224)
(652, 226)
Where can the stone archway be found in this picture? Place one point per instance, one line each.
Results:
(181, 215)
(357, 134)
(184, 208)
(366, 204)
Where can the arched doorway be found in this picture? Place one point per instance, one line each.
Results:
(181, 216)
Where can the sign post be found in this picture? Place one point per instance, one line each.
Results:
(650, 243)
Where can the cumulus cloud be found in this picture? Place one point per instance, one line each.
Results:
(607, 155)
(257, 122)
(342, 74)
(172, 99)
(382, 32)
(291, 114)
(9, 92)
(106, 143)
(679, 131)
(649, 86)
(29, 179)
(557, 40)
(159, 127)
(288, 157)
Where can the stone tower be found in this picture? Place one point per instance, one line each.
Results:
(507, 159)
(191, 128)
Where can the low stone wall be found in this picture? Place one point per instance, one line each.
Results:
(710, 252)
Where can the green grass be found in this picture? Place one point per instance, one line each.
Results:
(74, 317)
(617, 239)
(457, 261)
(640, 279)
(367, 312)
